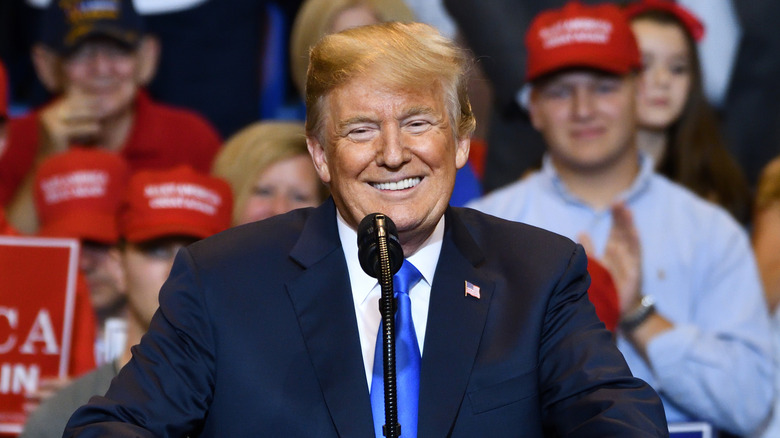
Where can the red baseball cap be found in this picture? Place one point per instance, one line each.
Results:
(3, 91)
(174, 202)
(578, 35)
(78, 194)
(694, 26)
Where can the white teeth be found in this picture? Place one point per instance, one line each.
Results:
(400, 185)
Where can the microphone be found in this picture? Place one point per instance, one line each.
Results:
(370, 232)
(381, 256)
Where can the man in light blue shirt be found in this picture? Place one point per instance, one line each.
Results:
(694, 323)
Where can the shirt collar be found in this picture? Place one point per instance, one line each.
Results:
(638, 186)
(425, 259)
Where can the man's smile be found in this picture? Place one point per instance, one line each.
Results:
(398, 185)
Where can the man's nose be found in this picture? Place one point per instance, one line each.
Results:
(102, 62)
(392, 152)
(582, 103)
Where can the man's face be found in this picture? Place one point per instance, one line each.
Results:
(389, 151)
(587, 118)
(104, 75)
(146, 268)
(104, 278)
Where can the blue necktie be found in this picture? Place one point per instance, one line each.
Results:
(407, 356)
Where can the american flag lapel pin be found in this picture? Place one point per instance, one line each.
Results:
(472, 289)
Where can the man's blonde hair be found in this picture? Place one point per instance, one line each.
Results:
(400, 55)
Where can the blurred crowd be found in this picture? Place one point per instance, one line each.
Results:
(646, 130)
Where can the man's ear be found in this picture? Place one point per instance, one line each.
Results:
(462, 148)
(317, 152)
(148, 55)
(47, 67)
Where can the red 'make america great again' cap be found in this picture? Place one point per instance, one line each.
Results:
(174, 202)
(78, 193)
(578, 35)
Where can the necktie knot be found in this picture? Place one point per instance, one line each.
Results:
(405, 279)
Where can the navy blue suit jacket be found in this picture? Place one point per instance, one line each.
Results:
(257, 336)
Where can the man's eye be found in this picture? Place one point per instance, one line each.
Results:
(418, 126)
(607, 86)
(360, 134)
(556, 92)
(82, 54)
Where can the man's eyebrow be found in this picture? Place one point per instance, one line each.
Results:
(417, 110)
(354, 120)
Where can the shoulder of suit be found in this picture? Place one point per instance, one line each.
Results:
(278, 233)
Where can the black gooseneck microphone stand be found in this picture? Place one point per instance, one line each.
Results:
(381, 256)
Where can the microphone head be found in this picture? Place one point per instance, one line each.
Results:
(368, 244)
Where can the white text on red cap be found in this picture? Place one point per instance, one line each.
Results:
(75, 185)
(184, 196)
(576, 30)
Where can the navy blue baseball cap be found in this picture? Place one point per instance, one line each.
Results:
(68, 23)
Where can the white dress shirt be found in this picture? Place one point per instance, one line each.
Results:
(366, 290)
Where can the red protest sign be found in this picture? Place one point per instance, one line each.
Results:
(37, 300)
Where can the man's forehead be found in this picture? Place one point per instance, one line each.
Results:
(381, 101)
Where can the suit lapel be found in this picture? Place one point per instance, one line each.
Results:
(322, 299)
(454, 329)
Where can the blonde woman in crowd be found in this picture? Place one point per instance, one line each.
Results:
(269, 170)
